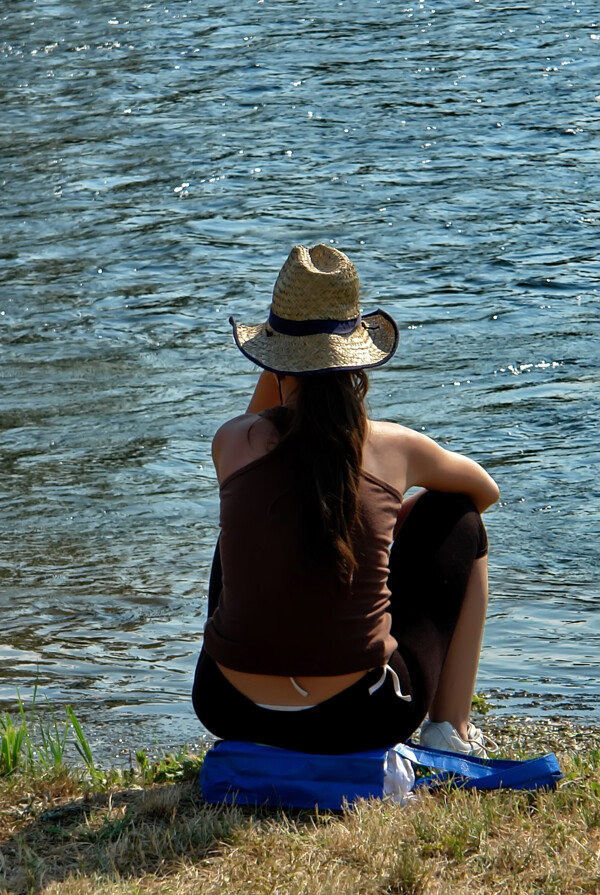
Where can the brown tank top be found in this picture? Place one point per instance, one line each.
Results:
(274, 615)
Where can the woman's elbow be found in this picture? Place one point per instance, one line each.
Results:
(489, 495)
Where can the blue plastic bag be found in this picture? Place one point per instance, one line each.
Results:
(250, 774)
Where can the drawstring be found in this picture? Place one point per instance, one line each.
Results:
(397, 688)
(297, 687)
(372, 689)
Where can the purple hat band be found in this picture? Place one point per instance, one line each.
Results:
(312, 327)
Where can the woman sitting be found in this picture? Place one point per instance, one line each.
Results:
(340, 614)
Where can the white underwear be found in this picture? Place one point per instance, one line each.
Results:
(284, 708)
(372, 689)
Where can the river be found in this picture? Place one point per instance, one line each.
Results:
(158, 161)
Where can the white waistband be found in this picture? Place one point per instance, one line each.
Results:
(284, 708)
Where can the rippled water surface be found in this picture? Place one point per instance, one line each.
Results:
(157, 163)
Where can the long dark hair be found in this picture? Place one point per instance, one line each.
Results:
(326, 428)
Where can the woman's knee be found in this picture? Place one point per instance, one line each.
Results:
(441, 519)
(458, 514)
(447, 503)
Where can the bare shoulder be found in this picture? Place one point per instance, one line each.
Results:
(382, 429)
(386, 450)
(393, 434)
(241, 440)
(233, 427)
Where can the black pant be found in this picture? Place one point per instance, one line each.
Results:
(430, 565)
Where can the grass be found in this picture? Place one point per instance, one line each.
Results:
(145, 829)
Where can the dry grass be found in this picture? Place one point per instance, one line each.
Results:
(56, 838)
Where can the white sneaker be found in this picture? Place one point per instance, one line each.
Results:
(442, 735)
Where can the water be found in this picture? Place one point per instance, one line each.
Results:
(157, 163)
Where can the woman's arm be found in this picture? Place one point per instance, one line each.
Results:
(266, 394)
(246, 437)
(431, 466)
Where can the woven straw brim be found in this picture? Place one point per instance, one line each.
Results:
(372, 344)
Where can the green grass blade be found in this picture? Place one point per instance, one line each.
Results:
(25, 726)
(81, 743)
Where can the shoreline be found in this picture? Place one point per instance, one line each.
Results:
(114, 745)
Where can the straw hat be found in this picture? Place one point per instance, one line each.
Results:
(315, 322)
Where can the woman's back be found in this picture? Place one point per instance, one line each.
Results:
(250, 436)
(279, 608)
